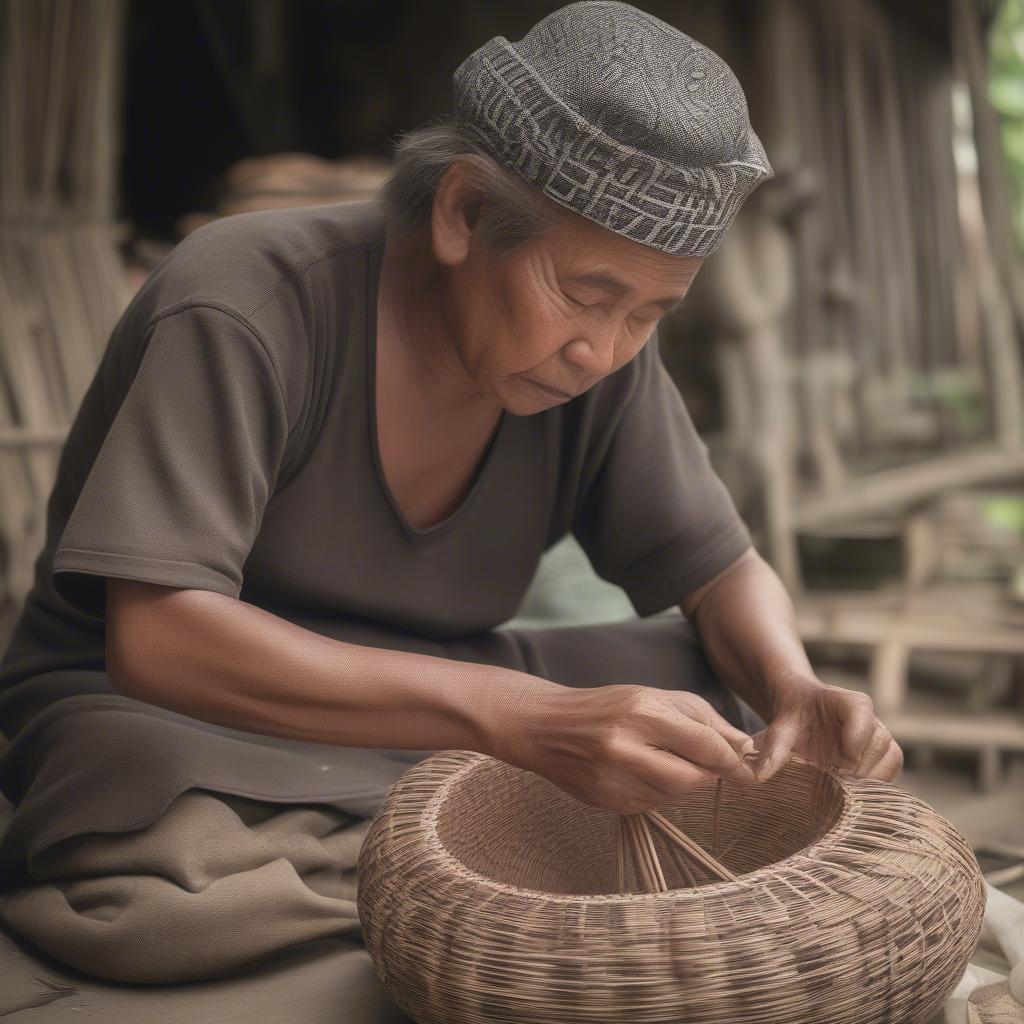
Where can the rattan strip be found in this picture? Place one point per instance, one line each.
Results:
(637, 840)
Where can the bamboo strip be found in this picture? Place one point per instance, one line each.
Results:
(682, 867)
(683, 840)
(654, 872)
(620, 843)
(643, 859)
(716, 814)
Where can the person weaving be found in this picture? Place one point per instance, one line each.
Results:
(315, 472)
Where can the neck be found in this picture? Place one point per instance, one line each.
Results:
(411, 315)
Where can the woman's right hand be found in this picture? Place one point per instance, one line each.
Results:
(625, 748)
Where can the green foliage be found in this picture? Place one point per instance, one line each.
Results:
(1006, 90)
(962, 392)
(1005, 512)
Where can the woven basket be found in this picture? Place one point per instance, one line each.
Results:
(486, 893)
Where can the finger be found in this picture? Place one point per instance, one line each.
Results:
(856, 711)
(745, 746)
(633, 795)
(671, 776)
(700, 745)
(877, 748)
(751, 753)
(890, 764)
(697, 708)
(776, 745)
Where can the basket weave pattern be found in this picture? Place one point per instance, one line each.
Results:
(488, 894)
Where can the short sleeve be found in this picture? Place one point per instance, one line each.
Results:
(657, 520)
(178, 488)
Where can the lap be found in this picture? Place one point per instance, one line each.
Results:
(178, 899)
(125, 897)
(103, 762)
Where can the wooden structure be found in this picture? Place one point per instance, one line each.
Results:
(62, 282)
(867, 317)
(63, 274)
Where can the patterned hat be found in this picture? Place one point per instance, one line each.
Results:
(620, 117)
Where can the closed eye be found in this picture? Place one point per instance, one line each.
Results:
(644, 321)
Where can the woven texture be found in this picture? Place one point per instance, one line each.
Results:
(488, 894)
(622, 118)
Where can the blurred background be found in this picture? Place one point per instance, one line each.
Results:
(852, 354)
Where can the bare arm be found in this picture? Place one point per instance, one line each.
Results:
(747, 625)
(623, 747)
(230, 662)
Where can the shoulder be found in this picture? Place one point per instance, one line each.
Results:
(282, 277)
(248, 260)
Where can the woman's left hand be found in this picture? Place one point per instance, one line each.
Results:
(828, 725)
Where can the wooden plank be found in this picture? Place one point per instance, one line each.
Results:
(26, 437)
(868, 630)
(891, 489)
(958, 731)
(971, 617)
(888, 673)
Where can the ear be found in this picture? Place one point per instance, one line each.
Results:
(455, 211)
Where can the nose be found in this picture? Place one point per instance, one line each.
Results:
(593, 354)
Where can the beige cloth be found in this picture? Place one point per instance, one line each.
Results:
(212, 886)
(994, 1004)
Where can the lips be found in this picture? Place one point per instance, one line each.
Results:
(549, 390)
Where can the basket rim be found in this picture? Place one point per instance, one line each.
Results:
(474, 760)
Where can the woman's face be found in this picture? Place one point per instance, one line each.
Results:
(559, 312)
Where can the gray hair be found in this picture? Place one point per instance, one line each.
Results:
(512, 210)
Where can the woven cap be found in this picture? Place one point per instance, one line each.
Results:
(620, 117)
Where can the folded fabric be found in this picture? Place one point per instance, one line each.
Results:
(251, 877)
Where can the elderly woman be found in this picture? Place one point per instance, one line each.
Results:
(313, 477)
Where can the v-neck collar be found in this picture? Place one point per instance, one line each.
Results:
(490, 455)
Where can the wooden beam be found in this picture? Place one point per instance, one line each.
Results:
(891, 489)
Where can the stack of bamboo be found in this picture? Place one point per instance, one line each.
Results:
(290, 179)
(62, 284)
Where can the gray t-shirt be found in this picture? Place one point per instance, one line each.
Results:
(228, 443)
